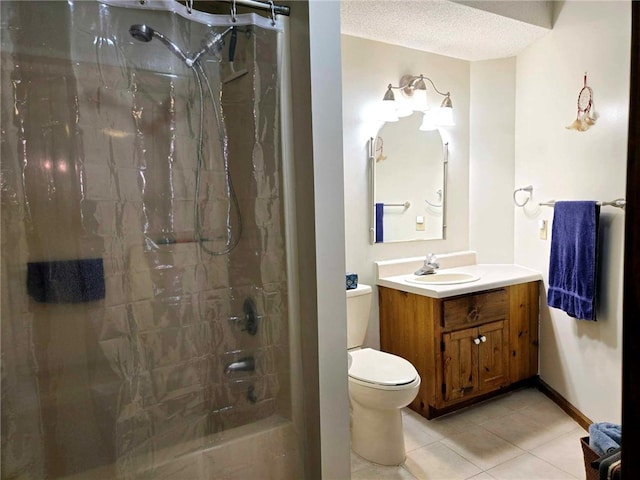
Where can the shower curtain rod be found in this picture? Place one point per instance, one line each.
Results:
(279, 9)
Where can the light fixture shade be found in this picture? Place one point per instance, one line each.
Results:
(428, 123)
(419, 96)
(445, 117)
(388, 95)
(387, 107)
(403, 107)
(419, 101)
(445, 112)
(387, 111)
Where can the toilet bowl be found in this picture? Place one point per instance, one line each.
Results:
(380, 384)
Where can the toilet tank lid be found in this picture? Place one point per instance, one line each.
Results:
(361, 289)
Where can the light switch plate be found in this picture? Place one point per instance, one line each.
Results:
(542, 225)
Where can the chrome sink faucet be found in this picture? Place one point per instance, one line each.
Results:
(429, 267)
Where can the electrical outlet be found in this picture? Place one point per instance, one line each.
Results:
(542, 226)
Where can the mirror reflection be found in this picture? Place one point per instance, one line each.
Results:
(409, 182)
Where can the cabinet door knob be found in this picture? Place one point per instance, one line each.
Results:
(476, 341)
(482, 338)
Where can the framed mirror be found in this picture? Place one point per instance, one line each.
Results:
(408, 176)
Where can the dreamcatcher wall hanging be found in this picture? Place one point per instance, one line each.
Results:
(379, 149)
(586, 116)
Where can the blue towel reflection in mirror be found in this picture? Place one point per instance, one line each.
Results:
(379, 222)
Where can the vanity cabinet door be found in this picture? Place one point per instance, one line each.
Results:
(493, 352)
(460, 364)
(474, 361)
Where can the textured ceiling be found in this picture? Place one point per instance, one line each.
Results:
(441, 26)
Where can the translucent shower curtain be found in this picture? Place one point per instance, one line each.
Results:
(144, 288)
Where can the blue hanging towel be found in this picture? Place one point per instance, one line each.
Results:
(379, 226)
(572, 264)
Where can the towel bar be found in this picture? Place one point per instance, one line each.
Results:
(618, 202)
(405, 204)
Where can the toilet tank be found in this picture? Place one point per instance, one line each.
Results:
(358, 309)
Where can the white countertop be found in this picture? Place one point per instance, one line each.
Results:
(491, 276)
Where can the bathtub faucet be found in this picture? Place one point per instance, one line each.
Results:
(246, 364)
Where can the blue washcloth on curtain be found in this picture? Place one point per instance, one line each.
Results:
(605, 437)
(572, 264)
(66, 281)
(379, 226)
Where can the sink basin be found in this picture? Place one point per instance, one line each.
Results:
(442, 278)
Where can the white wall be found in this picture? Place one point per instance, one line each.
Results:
(367, 68)
(319, 202)
(579, 359)
(491, 164)
(324, 41)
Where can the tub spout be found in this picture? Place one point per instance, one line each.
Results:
(246, 364)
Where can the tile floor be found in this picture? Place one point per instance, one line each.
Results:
(521, 435)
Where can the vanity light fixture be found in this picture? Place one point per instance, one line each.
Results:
(414, 91)
(387, 110)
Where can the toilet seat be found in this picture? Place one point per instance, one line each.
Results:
(382, 370)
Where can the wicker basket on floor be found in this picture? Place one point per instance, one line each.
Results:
(589, 456)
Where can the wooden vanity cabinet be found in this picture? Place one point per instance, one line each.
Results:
(465, 347)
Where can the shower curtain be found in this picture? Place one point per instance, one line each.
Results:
(144, 269)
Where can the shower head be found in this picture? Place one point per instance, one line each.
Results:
(212, 42)
(145, 33)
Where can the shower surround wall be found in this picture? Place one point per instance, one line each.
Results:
(99, 152)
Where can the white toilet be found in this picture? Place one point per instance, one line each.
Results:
(380, 384)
